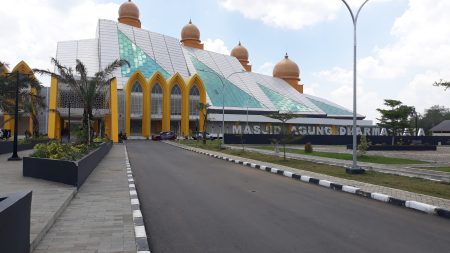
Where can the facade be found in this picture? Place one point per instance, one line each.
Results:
(25, 121)
(441, 129)
(168, 77)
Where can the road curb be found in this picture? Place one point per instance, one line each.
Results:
(412, 205)
(138, 221)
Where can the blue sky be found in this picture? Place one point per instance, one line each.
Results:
(404, 45)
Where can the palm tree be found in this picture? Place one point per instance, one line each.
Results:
(86, 88)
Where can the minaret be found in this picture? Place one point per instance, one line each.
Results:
(241, 53)
(289, 71)
(190, 36)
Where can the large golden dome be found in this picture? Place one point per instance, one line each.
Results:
(190, 32)
(240, 52)
(129, 14)
(286, 69)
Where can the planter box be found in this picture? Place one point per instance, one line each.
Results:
(399, 148)
(67, 172)
(7, 146)
(15, 222)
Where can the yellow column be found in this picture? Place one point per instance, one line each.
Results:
(114, 118)
(52, 114)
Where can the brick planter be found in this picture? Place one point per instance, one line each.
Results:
(67, 172)
(15, 222)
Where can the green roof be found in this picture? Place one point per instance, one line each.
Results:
(233, 95)
(137, 58)
(283, 103)
(330, 109)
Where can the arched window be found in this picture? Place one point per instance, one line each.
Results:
(136, 100)
(157, 100)
(194, 100)
(175, 100)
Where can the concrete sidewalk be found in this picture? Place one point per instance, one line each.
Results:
(99, 218)
(49, 199)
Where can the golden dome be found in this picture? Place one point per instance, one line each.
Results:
(286, 69)
(190, 32)
(129, 10)
(240, 52)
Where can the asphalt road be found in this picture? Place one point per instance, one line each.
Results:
(194, 203)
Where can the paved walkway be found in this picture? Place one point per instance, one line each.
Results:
(443, 203)
(99, 218)
(409, 170)
(49, 199)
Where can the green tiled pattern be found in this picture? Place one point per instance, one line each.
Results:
(137, 58)
(329, 109)
(234, 96)
(283, 103)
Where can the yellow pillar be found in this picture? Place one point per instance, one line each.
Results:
(146, 110)
(52, 115)
(114, 118)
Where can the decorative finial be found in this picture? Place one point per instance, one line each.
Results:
(286, 56)
(239, 43)
(190, 21)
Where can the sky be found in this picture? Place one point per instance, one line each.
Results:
(403, 45)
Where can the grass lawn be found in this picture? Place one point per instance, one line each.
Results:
(418, 185)
(443, 169)
(367, 158)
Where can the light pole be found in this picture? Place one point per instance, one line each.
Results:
(223, 96)
(14, 156)
(354, 169)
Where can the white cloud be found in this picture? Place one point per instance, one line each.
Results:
(290, 14)
(216, 45)
(266, 68)
(34, 27)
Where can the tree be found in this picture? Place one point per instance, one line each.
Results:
(86, 88)
(29, 99)
(395, 119)
(442, 83)
(203, 108)
(284, 137)
(433, 116)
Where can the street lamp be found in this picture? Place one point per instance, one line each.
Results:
(223, 96)
(15, 156)
(354, 169)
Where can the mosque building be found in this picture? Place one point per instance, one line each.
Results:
(168, 77)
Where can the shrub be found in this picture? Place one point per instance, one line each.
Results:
(56, 150)
(363, 146)
(308, 147)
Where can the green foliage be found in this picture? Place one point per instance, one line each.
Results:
(285, 136)
(363, 146)
(203, 108)
(442, 83)
(433, 116)
(308, 147)
(56, 150)
(100, 140)
(396, 118)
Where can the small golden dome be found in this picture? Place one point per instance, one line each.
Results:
(286, 69)
(190, 32)
(240, 52)
(129, 10)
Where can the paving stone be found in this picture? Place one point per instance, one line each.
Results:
(99, 219)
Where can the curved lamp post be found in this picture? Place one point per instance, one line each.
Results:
(223, 96)
(355, 169)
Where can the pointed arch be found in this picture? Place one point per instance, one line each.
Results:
(192, 81)
(156, 78)
(140, 78)
(176, 79)
(23, 68)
